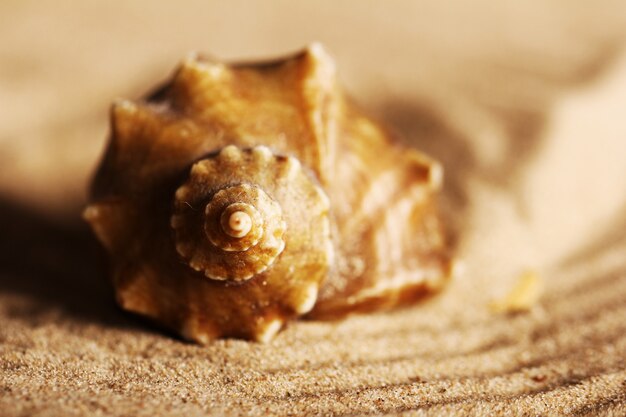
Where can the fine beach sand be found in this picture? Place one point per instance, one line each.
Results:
(523, 104)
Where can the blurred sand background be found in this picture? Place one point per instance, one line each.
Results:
(523, 102)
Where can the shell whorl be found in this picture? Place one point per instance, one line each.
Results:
(227, 221)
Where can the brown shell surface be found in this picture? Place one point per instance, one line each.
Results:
(341, 217)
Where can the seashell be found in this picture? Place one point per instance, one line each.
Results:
(239, 197)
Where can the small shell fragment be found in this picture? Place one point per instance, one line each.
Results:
(522, 297)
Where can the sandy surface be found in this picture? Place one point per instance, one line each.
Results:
(524, 105)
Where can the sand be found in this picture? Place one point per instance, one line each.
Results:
(522, 104)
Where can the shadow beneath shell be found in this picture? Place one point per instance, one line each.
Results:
(56, 264)
(461, 153)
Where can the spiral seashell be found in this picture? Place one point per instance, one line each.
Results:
(239, 197)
